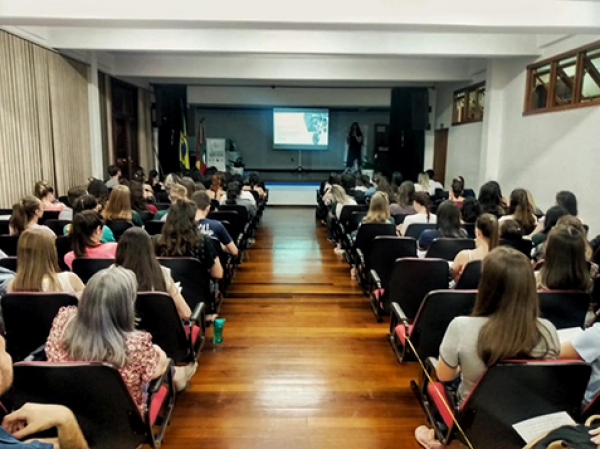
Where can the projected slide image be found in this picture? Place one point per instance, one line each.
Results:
(301, 129)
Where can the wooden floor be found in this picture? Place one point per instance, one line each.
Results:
(303, 364)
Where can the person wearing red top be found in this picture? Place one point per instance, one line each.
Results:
(87, 237)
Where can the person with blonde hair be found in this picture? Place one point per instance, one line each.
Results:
(25, 215)
(38, 267)
(177, 192)
(103, 329)
(379, 210)
(45, 192)
(119, 206)
(423, 183)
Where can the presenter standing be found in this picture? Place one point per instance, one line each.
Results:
(354, 144)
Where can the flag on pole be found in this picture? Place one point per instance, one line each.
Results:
(184, 154)
(201, 148)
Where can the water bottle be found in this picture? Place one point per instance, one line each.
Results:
(218, 330)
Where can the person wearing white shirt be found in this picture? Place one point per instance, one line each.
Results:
(421, 205)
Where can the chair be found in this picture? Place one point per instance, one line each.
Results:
(240, 209)
(509, 392)
(158, 315)
(448, 248)
(195, 282)
(412, 279)
(347, 212)
(367, 233)
(469, 278)
(354, 221)
(5, 211)
(28, 319)
(385, 250)
(416, 229)
(564, 308)
(118, 227)
(154, 227)
(86, 268)
(214, 205)
(426, 332)
(64, 244)
(470, 228)
(65, 200)
(524, 245)
(237, 226)
(98, 397)
(49, 215)
(8, 244)
(10, 263)
(57, 226)
(4, 227)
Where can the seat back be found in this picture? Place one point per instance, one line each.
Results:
(470, 228)
(385, 250)
(236, 222)
(354, 221)
(93, 391)
(469, 278)
(4, 227)
(157, 315)
(85, 268)
(194, 279)
(347, 212)
(154, 227)
(49, 215)
(118, 227)
(5, 211)
(564, 308)
(436, 313)
(8, 244)
(399, 218)
(448, 248)
(57, 226)
(64, 244)
(28, 319)
(416, 229)
(240, 209)
(412, 279)
(511, 392)
(10, 263)
(524, 245)
(367, 233)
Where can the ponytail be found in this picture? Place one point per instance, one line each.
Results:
(22, 213)
(422, 198)
(233, 192)
(84, 225)
(488, 226)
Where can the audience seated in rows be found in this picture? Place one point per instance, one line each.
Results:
(470, 211)
(102, 328)
(87, 238)
(73, 194)
(491, 200)
(421, 203)
(504, 324)
(402, 203)
(486, 239)
(26, 214)
(235, 195)
(45, 193)
(212, 228)
(89, 202)
(115, 173)
(522, 210)
(180, 237)
(447, 226)
(119, 206)
(38, 269)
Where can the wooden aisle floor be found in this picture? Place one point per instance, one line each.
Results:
(303, 365)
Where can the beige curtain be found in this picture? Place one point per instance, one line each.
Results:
(145, 148)
(44, 129)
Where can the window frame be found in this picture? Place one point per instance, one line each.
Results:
(467, 91)
(554, 62)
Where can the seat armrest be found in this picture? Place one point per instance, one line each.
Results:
(361, 256)
(430, 364)
(37, 355)
(199, 316)
(376, 279)
(397, 316)
(155, 384)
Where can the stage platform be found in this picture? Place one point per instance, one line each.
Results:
(295, 193)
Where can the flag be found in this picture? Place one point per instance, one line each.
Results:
(184, 154)
(200, 147)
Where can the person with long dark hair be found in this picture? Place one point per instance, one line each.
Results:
(505, 323)
(234, 195)
(491, 200)
(447, 226)
(522, 209)
(354, 142)
(87, 239)
(421, 204)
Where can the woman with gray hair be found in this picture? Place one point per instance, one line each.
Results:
(103, 328)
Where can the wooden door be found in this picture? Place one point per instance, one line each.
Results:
(440, 153)
(125, 127)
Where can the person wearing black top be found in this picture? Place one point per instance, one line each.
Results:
(354, 141)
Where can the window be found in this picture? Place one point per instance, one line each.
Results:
(567, 81)
(468, 104)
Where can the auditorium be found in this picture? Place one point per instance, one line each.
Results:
(302, 225)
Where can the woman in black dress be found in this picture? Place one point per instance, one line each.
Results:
(354, 141)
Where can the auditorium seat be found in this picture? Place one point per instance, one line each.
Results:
(57, 226)
(118, 227)
(86, 267)
(358, 253)
(508, 393)
(158, 315)
(470, 276)
(564, 308)
(8, 244)
(4, 227)
(49, 215)
(427, 330)
(448, 248)
(416, 229)
(98, 397)
(28, 319)
(154, 227)
(10, 263)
